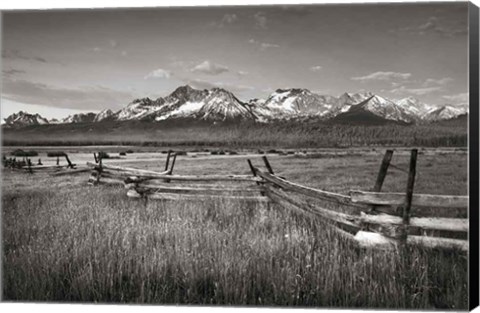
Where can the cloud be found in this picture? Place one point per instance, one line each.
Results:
(124, 53)
(242, 73)
(296, 10)
(113, 43)
(12, 72)
(158, 73)
(263, 46)
(226, 19)
(458, 99)
(85, 98)
(97, 49)
(209, 68)
(432, 25)
(234, 87)
(199, 84)
(383, 76)
(415, 91)
(203, 84)
(260, 20)
(441, 81)
(17, 55)
(316, 68)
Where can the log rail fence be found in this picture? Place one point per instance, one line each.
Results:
(385, 219)
(375, 219)
(56, 170)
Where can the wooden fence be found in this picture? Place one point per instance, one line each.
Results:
(382, 219)
(371, 218)
(166, 186)
(26, 164)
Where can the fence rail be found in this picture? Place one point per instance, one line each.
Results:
(420, 200)
(307, 191)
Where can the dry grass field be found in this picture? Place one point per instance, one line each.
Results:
(66, 241)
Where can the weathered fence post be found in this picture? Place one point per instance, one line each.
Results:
(70, 165)
(409, 194)
(168, 159)
(254, 173)
(58, 160)
(99, 172)
(267, 164)
(252, 168)
(382, 173)
(29, 163)
(172, 166)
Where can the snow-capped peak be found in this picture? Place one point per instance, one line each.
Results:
(414, 107)
(79, 118)
(444, 113)
(22, 119)
(102, 115)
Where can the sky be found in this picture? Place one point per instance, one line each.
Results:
(62, 62)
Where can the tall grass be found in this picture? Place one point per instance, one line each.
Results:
(94, 245)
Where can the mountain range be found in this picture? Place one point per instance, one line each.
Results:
(217, 104)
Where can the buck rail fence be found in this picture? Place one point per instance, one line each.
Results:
(111, 174)
(373, 219)
(383, 220)
(58, 169)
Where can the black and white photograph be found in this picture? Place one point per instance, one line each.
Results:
(282, 155)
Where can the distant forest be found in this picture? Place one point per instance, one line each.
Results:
(252, 135)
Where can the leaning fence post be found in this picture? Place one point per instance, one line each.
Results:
(95, 157)
(383, 170)
(409, 194)
(70, 165)
(171, 167)
(168, 160)
(252, 168)
(173, 164)
(267, 164)
(254, 173)
(382, 173)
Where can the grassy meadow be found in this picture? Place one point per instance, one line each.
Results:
(66, 241)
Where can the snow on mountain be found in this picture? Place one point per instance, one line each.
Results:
(139, 108)
(183, 102)
(258, 108)
(79, 118)
(346, 101)
(223, 105)
(214, 104)
(102, 115)
(297, 102)
(22, 119)
(414, 107)
(444, 113)
(387, 109)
